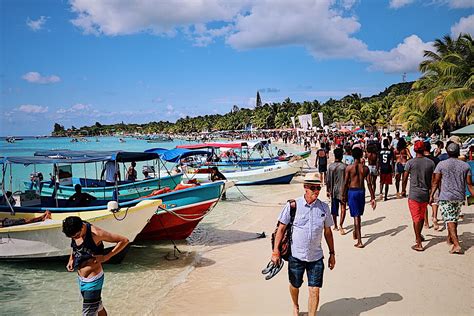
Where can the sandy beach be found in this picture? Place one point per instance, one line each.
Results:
(385, 278)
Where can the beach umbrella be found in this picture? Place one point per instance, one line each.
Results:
(466, 130)
(360, 130)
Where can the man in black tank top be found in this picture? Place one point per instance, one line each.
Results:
(87, 257)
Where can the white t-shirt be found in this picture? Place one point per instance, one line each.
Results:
(110, 171)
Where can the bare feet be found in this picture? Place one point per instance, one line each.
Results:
(435, 224)
(359, 245)
(342, 231)
(456, 251)
(296, 310)
(335, 228)
(417, 248)
(398, 195)
(46, 215)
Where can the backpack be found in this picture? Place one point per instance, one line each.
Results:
(285, 244)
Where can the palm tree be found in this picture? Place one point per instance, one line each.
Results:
(448, 80)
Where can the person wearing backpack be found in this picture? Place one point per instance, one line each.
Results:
(312, 219)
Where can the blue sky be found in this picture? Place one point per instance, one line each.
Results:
(81, 61)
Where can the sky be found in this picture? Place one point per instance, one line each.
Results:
(81, 61)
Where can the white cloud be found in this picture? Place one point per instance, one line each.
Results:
(313, 24)
(158, 17)
(404, 58)
(325, 28)
(36, 25)
(465, 25)
(30, 108)
(461, 4)
(80, 107)
(396, 4)
(36, 77)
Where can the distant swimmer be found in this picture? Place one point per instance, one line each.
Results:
(354, 192)
(87, 256)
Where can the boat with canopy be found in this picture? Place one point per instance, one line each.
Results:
(62, 183)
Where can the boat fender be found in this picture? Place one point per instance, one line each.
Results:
(112, 206)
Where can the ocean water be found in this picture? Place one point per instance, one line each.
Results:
(135, 286)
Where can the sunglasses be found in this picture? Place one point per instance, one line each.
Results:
(313, 187)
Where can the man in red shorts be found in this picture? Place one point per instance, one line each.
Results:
(385, 166)
(420, 170)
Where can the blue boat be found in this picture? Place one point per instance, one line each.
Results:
(121, 190)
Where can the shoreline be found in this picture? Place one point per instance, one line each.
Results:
(384, 278)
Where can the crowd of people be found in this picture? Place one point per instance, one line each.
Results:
(437, 177)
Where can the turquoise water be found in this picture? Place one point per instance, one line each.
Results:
(28, 146)
(133, 287)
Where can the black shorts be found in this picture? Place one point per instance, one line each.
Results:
(322, 168)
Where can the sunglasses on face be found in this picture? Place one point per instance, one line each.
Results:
(313, 187)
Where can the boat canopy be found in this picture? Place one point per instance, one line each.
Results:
(72, 156)
(174, 155)
(213, 145)
(22, 160)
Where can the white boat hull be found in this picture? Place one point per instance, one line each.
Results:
(278, 173)
(46, 239)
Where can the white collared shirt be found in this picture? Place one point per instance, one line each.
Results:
(308, 227)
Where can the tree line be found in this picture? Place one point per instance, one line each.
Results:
(441, 99)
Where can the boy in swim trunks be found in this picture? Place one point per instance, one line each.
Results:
(87, 256)
(354, 192)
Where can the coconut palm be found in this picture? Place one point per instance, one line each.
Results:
(448, 80)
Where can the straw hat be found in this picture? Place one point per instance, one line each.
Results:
(311, 178)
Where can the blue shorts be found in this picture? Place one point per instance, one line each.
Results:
(356, 201)
(91, 291)
(335, 206)
(314, 272)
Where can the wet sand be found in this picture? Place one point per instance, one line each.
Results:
(385, 278)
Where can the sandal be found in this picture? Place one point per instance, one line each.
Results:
(275, 270)
(268, 268)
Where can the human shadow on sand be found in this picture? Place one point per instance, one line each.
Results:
(466, 240)
(209, 235)
(392, 232)
(366, 223)
(355, 306)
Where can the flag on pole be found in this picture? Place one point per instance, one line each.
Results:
(293, 121)
(306, 122)
(320, 114)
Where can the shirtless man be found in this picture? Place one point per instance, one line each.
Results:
(402, 155)
(87, 256)
(372, 155)
(354, 192)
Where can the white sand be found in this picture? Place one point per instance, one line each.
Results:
(385, 278)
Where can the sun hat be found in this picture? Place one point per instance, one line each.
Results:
(455, 139)
(419, 146)
(312, 178)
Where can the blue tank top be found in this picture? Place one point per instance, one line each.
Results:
(87, 250)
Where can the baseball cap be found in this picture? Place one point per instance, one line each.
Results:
(419, 146)
(453, 148)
